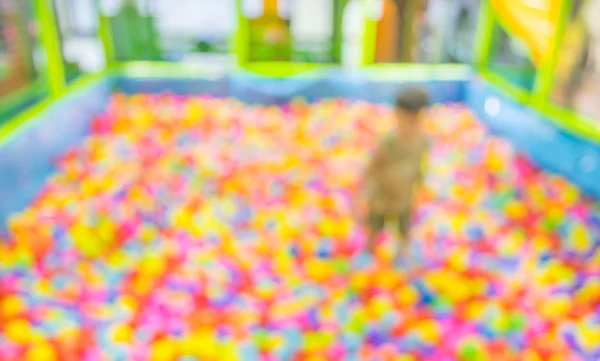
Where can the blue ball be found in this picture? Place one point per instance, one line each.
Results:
(475, 233)
(294, 251)
(376, 338)
(248, 352)
(353, 341)
(187, 358)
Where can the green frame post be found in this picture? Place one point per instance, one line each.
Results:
(409, 33)
(105, 34)
(545, 74)
(369, 35)
(50, 38)
(241, 40)
(339, 7)
(485, 36)
(484, 44)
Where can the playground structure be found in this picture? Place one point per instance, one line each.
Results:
(526, 72)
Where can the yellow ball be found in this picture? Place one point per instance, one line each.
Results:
(515, 209)
(227, 351)
(591, 290)
(475, 310)
(152, 265)
(86, 241)
(531, 355)
(581, 239)
(430, 331)
(479, 286)
(283, 262)
(556, 307)
(405, 358)
(207, 344)
(312, 342)
(386, 252)
(380, 305)
(386, 279)
(44, 287)
(183, 219)
(317, 269)
(42, 351)
(459, 290)
(117, 259)
(142, 285)
(12, 306)
(541, 243)
(123, 333)
(458, 260)
(18, 331)
(458, 223)
(588, 337)
(106, 232)
(570, 194)
(327, 227)
(164, 350)
(407, 295)
(595, 259)
(7, 256)
(316, 358)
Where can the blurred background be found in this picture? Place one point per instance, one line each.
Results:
(313, 31)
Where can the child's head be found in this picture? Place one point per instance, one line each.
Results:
(409, 106)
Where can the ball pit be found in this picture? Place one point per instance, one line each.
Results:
(201, 228)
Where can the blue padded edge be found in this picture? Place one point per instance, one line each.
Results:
(256, 89)
(27, 159)
(544, 142)
(218, 87)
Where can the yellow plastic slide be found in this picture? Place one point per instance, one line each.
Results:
(533, 21)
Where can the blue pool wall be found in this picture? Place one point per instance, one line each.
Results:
(252, 88)
(27, 158)
(539, 138)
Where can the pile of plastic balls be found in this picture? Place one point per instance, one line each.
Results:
(202, 228)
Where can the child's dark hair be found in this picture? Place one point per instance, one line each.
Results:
(412, 99)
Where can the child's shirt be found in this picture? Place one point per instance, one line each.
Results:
(395, 171)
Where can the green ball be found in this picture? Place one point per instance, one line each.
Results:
(517, 321)
(470, 350)
(357, 322)
(441, 304)
(341, 266)
(261, 338)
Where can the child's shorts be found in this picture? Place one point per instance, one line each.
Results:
(377, 222)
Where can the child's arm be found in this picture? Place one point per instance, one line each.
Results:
(422, 167)
(421, 193)
(424, 161)
(360, 199)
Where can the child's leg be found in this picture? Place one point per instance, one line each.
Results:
(375, 225)
(404, 232)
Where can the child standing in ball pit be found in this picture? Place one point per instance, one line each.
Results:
(395, 170)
